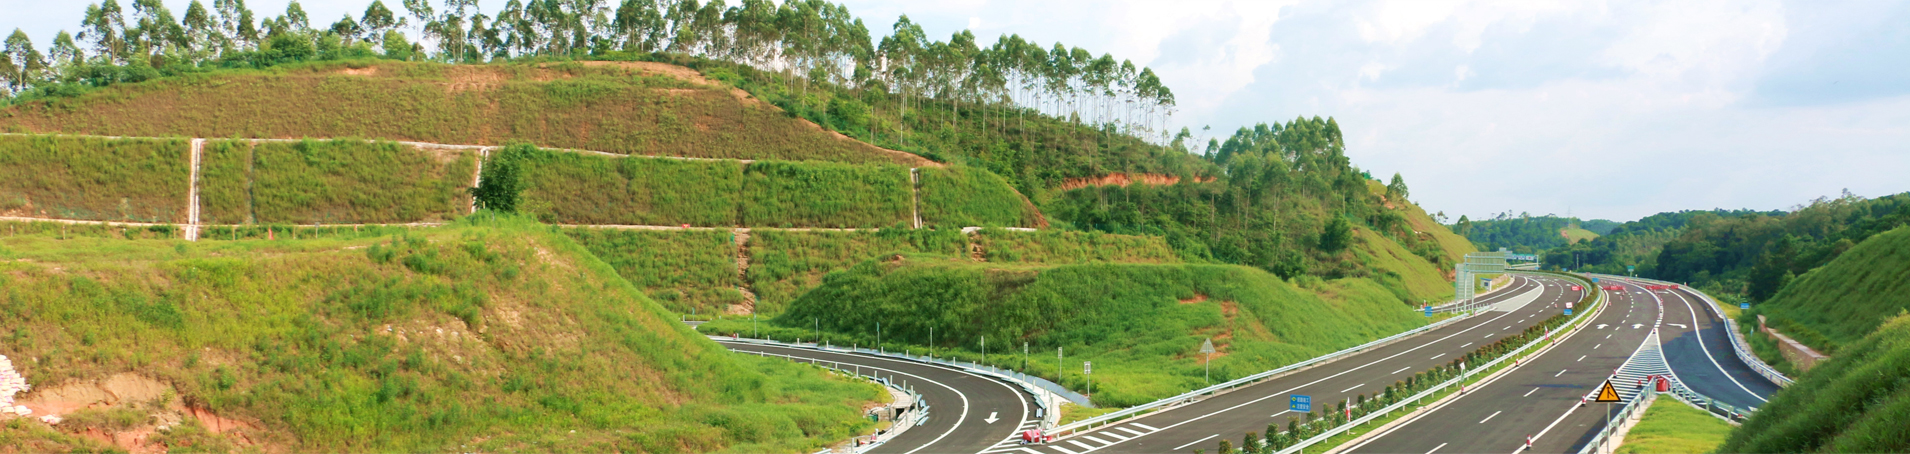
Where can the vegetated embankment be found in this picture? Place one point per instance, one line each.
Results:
(341, 181)
(623, 108)
(94, 179)
(1846, 299)
(494, 336)
(1855, 402)
(1141, 324)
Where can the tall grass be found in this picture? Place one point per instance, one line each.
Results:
(822, 194)
(94, 179)
(600, 107)
(1854, 402)
(685, 271)
(1142, 325)
(784, 264)
(577, 188)
(350, 181)
(491, 335)
(957, 196)
(225, 182)
(1062, 247)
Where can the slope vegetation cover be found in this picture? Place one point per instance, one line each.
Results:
(957, 196)
(93, 179)
(625, 108)
(1858, 401)
(1839, 303)
(1144, 335)
(500, 336)
(341, 181)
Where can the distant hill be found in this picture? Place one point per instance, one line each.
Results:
(1842, 301)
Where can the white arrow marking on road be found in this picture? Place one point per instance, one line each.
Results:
(1680, 325)
(991, 418)
(1637, 325)
(1601, 326)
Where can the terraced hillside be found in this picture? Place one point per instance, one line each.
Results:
(632, 108)
(482, 336)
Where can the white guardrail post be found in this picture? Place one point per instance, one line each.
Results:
(1576, 322)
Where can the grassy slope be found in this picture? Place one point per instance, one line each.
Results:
(94, 179)
(341, 181)
(1575, 234)
(578, 188)
(1143, 335)
(687, 271)
(335, 345)
(956, 197)
(786, 264)
(820, 194)
(1453, 245)
(635, 108)
(1858, 401)
(1844, 300)
(1069, 247)
(1390, 263)
(1670, 427)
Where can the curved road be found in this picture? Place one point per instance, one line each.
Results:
(1200, 425)
(960, 404)
(1701, 356)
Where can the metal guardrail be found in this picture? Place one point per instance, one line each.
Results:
(1739, 345)
(1030, 388)
(1577, 321)
(1192, 396)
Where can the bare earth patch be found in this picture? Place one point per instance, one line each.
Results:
(158, 400)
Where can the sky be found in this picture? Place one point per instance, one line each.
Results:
(1613, 110)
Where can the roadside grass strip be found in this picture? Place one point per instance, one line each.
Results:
(1670, 426)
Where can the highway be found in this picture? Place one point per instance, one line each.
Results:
(1199, 426)
(1541, 393)
(968, 413)
(1701, 356)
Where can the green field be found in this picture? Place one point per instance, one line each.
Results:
(484, 336)
(1858, 401)
(1671, 427)
(580, 188)
(822, 194)
(1846, 299)
(956, 197)
(341, 181)
(94, 179)
(686, 271)
(1142, 325)
(624, 108)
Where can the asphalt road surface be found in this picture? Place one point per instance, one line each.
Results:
(1701, 356)
(961, 405)
(1542, 392)
(1200, 426)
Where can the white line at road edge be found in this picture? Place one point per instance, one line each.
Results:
(1707, 350)
(1350, 370)
(1209, 437)
(961, 417)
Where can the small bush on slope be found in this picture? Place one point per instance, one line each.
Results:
(94, 179)
(1858, 401)
(1143, 334)
(498, 337)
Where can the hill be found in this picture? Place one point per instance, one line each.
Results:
(1144, 335)
(1842, 301)
(485, 336)
(631, 108)
(1852, 403)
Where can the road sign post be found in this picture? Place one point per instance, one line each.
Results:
(1087, 370)
(1207, 348)
(1608, 395)
(1300, 403)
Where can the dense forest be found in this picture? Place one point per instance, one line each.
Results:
(1634, 244)
(1757, 255)
(1523, 233)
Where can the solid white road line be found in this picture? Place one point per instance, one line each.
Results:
(1344, 391)
(1489, 418)
(961, 415)
(1144, 426)
(1436, 448)
(1209, 437)
(1707, 350)
(1529, 393)
(1276, 415)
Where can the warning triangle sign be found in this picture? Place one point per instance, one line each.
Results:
(1606, 393)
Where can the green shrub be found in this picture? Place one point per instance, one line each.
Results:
(956, 196)
(135, 180)
(822, 194)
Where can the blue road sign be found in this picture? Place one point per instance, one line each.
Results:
(1594, 280)
(1744, 305)
(1428, 310)
(1300, 404)
(1568, 311)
